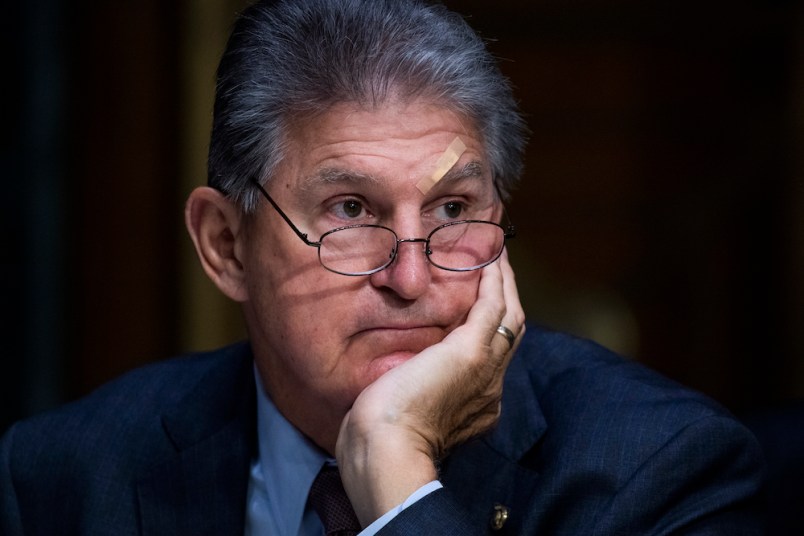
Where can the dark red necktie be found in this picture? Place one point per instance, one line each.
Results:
(329, 500)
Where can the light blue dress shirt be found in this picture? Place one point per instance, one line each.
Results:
(282, 474)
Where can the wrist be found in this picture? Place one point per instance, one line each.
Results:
(381, 466)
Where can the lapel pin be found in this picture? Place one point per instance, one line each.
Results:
(499, 517)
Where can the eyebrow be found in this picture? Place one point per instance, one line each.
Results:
(336, 175)
(470, 170)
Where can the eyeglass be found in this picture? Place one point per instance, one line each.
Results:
(364, 249)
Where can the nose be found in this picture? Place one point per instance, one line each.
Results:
(408, 276)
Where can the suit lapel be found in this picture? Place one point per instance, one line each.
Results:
(202, 488)
(487, 472)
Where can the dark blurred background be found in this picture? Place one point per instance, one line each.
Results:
(661, 213)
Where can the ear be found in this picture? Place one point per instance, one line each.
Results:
(215, 225)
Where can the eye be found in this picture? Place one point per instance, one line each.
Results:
(349, 209)
(452, 209)
(352, 208)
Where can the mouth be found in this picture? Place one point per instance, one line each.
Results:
(399, 340)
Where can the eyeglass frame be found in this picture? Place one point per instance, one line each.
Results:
(509, 232)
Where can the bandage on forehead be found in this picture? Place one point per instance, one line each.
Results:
(444, 164)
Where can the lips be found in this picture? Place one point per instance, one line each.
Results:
(399, 338)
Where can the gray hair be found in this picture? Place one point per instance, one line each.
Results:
(291, 59)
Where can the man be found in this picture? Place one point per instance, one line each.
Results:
(360, 153)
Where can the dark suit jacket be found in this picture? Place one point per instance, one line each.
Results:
(587, 444)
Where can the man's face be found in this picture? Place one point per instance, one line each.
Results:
(320, 338)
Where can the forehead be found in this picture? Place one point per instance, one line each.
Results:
(396, 141)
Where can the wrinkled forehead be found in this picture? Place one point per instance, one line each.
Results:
(352, 142)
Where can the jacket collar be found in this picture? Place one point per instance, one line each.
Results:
(521, 421)
(202, 487)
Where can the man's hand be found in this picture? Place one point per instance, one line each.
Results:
(448, 393)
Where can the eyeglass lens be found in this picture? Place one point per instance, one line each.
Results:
(357, 250)
(466, 246)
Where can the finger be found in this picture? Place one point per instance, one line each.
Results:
(489, 307)
(513, 306)
(498, 338)
(514, 317)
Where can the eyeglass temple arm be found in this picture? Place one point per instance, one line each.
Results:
(296, 230)
(510, 228)
(510, 232)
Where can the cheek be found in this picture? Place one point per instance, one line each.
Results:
(286, 287)
(457, 292)
(306, 311)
